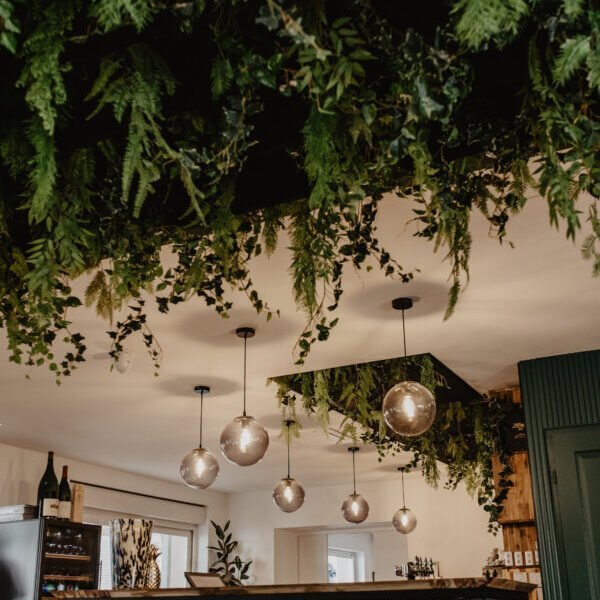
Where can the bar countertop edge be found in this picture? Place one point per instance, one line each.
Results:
(263, 590)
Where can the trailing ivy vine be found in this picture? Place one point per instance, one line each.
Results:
(127, 127)
(466, 434)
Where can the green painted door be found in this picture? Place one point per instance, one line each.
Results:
(574, 460)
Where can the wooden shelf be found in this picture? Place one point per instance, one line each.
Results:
(79, 557)
(517, 522)
(67, 578)
(521, 567)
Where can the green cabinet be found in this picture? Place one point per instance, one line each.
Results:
(561, 396)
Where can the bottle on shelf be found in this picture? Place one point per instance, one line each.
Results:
(47, 498)
(64, 495)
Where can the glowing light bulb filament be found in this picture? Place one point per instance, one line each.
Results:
(199, 467)
(355, 508)
(288, 493)
(245, 439)
(409, 407)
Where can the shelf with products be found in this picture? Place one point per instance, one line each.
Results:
(59, 577)
(76, 557)
(69, 556)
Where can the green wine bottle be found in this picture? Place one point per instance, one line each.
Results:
(48, 491)
(64, 495)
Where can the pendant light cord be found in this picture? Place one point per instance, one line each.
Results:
(201, 411)
(403, 500)
(289, 424)
(353, 471)
(245, 341)
(404, 333)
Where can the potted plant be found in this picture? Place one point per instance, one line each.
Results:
(229, 566)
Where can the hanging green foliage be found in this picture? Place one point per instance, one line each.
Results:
(465, 435)
(131, 126)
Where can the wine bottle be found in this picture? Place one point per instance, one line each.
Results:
(48, 491)
(64, 495)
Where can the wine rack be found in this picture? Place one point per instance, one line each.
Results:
(69, 557)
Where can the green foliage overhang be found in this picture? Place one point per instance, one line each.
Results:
(468, 431)
(131, 125)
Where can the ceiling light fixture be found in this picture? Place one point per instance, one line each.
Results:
(288, 494)
(200, 468)
(355, 509)
(244, 441)
(124, 361)
(408, 407)
(404, 519)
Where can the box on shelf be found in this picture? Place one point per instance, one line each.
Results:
(18, 512)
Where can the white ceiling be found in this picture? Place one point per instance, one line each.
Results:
(536, 299)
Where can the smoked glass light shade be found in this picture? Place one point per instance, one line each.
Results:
(244, 441)
(409, 408)
(355, 509)
(404, 520)
(199, 468)
(288, 495)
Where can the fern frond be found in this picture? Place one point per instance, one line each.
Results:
(112, 14)
(134, 85)
(573, 8)
(483, 20)
(573, 54)
(221, 76)
(42, 177)
(42, 75)
(593, 65)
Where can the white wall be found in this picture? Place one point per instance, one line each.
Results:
(451, 528)
(21, 469)
(286, 558)
(312, 558)
(389, 549)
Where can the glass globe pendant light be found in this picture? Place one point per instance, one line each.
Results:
(355, 509)
(244, 441)
(288, 494)
(408, 407)
(404, 519)
(200, 468)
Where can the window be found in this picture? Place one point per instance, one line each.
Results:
(174, 541)
(341, 566)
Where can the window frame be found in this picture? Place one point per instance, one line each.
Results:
(103, 518)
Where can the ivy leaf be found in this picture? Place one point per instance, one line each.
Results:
(369, 112)
(426, 103)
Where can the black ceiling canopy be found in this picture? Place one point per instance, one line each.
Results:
(454, 387)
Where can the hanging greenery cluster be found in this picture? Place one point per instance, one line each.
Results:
(130, 126)
(466, 434)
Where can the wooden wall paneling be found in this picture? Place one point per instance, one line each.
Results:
(519, 533)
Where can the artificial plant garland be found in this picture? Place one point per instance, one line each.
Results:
(126, 127)
(466, 434)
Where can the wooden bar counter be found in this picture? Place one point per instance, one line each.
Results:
(429, 589)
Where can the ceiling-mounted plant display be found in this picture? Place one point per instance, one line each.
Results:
(207, 127)
(465, 435)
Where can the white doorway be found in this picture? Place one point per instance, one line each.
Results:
(344, 555)
(350, 557)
